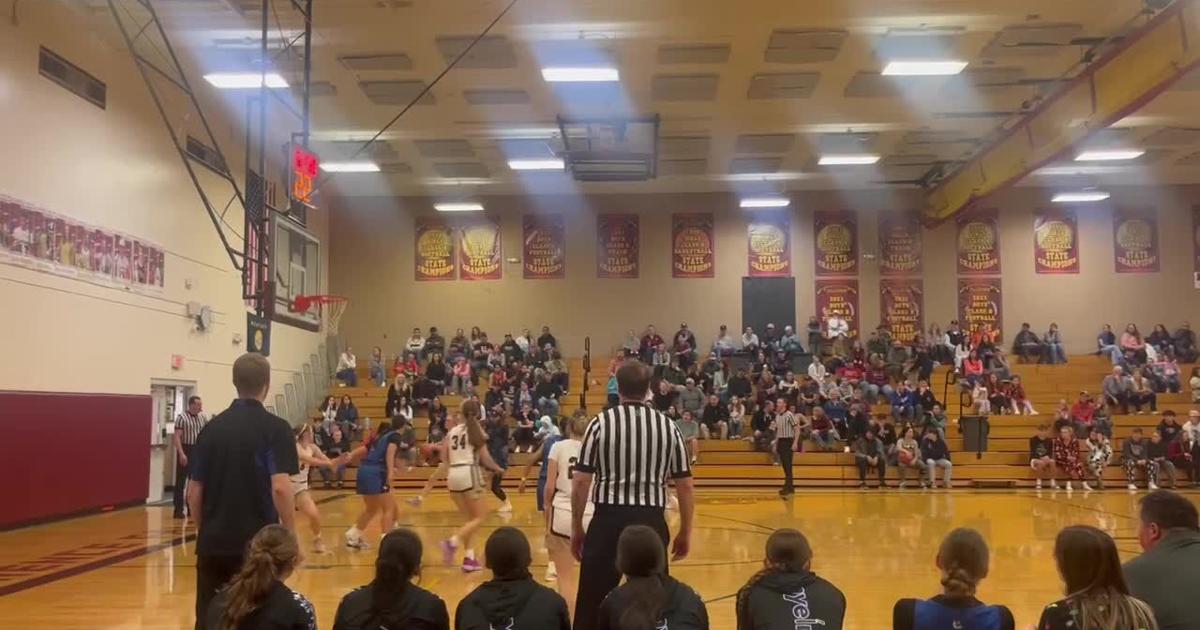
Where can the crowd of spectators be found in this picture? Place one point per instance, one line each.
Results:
(1152, 591)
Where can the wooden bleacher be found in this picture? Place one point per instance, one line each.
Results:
(734, 463)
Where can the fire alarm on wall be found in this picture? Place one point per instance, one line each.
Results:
(176, 361)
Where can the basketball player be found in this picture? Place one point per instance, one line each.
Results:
(463, 448)
(561, 468)
(309, 455)
(378, 455)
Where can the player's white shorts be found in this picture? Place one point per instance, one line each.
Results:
(464, 478)
(560, 520)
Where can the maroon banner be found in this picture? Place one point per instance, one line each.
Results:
(479, 250)
(899, 244)
(1135, 240)
(544, 243)
(979, 243)
(1056, 242)
(835, 236)
(769, 247)
(902, 307)
(979, 303)
(693, 247)
(840, 297)
(433, 250)
(618, 245)
(1196, 244)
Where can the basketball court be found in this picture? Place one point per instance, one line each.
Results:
(184, 181)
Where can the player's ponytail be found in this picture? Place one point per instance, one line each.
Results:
(642, 558)
(398, 562)
(787, 551)
(963, 558)
(271, 556)
(470, 412)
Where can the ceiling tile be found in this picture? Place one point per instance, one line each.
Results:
(938, 46)
(1031, 40)
(492, 52)
(678, 146)
(782, 85)
(395, 168)
(381, 61)
(379, 151)
(496, 97)
(396, 92)
(531, 147)
(1172, 137)
(803, 45)
(765, 143)
(693, 53)
(755, 165)
(875, 85)
(461, 170)
(685, 87)
(682, 167)
(452, 148)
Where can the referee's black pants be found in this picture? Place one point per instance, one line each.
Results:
(598, 572)
(181, 477)
(783, 448)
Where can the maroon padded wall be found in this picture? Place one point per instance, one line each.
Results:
(69, 453)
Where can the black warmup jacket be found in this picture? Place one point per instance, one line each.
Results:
(520, 604)
(684, 610)
(786, 601)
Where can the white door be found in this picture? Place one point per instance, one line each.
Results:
(168, 401)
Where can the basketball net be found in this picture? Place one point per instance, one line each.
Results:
(330, 307)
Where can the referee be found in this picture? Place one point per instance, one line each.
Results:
(787, 441)
(628, 453)
(187, 430)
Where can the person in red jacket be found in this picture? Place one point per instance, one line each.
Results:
(1083, 412)
(1185, 453)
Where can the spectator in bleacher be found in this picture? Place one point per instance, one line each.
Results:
(460, 378)
(1134, 455)
(963, 560)
(998, 364)
(333, 443)
(546, 395)
(511, 599)
(1097, 595)
(1184, 341)
(401, 408)
(714, 419)
(1020, 401)
(896, 360)
(1167, 574)
(691, 398)
(1026, 345)
(998, 398)
(789, 342)
(936, 454)
(877, 346)
(857, 421)
(1106, 344)
(1056, 352)
(648, 597)
(837, 330)
(936, 420)
(650, 342)
(1160, 339)
(981, 399)
(511, 350)
(869, 454)
(405, 440)
(1185, 453)
(493, 400)
(1164, 374)
(1192, 425)
(416, 344)
(922, 363)
(876, 383)
(737, 417)
(903, 403)
(750, 343)
(459, 345)
(961, 354)
(1083, 412)
(908, 456)
(437, 420)
(719, 383)
(664, 396)
(347, 368)
(1141, 394)
(761, 429)
(328, 409)
(1041, 447)
(558, 371)
(256, 597)
(766, 387)
(524, 395)
(1066, 457)
(1169, 427)
(347, 416)
(525, 341)
(1133, 347)
(813, 331)
(1157, 450)
(817, 372)
(375, 369)
(772, 598)
(682, 352)
(723, 344)
(689, 429)
(972, 368)
(1116, 388)
(770, 339)
(780, 363)
(547, 339)
(837, 406)
(411, 367)
(437, 374)
(739, 385)
(823, 432)
(482, 349)
(1099, 455)
(660, 359)
(1103, 421)
(525, 420)
(391, 600)
(435, 342)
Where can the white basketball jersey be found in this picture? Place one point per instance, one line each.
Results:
(566, 454)
(461, 452)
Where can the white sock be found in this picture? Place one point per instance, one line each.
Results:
(354, 532)
(469, 554)
(455, 542)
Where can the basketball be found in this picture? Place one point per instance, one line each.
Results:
(906, 457)
(430, 454)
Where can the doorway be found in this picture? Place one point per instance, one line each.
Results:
(169, 399)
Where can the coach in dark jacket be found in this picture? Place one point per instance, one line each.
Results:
(1167, 575)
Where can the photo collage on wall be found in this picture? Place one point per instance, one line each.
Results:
(38, 239)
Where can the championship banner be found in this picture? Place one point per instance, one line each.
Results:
(1135, 241)
(544, 246)
(1196, 245)
(979, 303)
(1056, 242)
(836, 243)
(769, 247)
(979, 243)
(899, 244)
(692, 245)
(479, 253)
(839, 296)
(433, 249)
(902, 307)
(618, 245)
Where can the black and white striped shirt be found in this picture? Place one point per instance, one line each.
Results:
(188, 427)
(632, 449)
(785, 425)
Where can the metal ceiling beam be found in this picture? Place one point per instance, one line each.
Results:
(1121, 81)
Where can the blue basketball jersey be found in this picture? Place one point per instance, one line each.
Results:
(377, 452)
(930, 615)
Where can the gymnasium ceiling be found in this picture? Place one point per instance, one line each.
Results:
(749, 92)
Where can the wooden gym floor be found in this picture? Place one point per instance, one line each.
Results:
(134, 568)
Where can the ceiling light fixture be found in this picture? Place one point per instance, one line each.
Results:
(350, 167)
(1080, 196)
(458, 206)
(245, 80)
(581, 74)
(540, 164)
(850, 159)
(1109, 155)
(765, 202)
(924, 68)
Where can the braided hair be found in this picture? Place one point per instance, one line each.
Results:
(963, 558)
(787, 551)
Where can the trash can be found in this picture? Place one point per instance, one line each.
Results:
(974, 431)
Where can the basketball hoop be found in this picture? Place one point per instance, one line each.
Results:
(331, 308)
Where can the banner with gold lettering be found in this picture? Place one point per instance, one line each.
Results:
(1135, 240)
(692, 245)
(979, 303)
(544, 246)
(770, 246)
(835, 237)
(1056, 242)
(618, 246)
(902, 307)
(979, 243)
(433, 249)
(840, 296)
(899, 244)
(479, 251)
